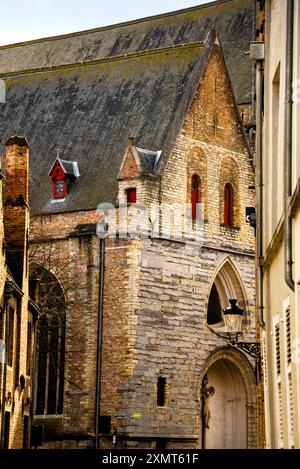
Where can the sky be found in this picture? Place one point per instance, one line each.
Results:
(23, 20)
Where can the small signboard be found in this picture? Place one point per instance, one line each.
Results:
(119, 415)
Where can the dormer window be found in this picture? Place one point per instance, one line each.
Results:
(63, 175)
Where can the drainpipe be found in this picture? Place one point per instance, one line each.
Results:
(254, 12)
(288, 254)
(7, 295)
(102, 229)
(259, 190)
(34, 374)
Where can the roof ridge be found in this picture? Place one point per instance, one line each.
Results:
(116, 25)
(116, 58)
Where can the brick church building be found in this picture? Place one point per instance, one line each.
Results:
(133, 326)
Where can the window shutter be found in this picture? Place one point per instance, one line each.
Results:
(291, 411)
(288, 336)
(277, 345)
(280, 415)
(131, 196)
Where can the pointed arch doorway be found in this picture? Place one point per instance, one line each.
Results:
(225, 426)
(228, 401)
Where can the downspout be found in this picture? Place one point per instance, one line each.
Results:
(7, 295)
(254, 12)
(259, 191)
(103, 228)
(34, 375)
(36, 316)
(288, 254)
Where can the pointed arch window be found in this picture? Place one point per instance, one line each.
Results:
(195, 195)
(50, 345)
(214, 311)
(228, 205)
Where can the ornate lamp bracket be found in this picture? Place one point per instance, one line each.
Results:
(251, 348)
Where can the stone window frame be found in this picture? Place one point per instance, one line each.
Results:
(230, 174)
(197, 166)
(166, 393)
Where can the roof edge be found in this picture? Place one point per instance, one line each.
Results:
(116, 25)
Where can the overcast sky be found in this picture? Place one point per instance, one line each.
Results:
(22, 20)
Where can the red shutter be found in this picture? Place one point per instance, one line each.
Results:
(194, 196)
(131, 196)
(228, 205)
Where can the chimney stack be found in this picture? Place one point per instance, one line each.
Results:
(17, 159)
(16, 210)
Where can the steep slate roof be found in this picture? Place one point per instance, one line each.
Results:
(232, 19)
(87, 110)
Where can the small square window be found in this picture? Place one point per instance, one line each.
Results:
(59, 189)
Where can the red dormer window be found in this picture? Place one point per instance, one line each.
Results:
(63, 174)
(58, 177)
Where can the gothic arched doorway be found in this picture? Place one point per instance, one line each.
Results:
(228, 401)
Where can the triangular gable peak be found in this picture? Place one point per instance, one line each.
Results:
(57, 170)
(214, 115)
(204, 114)
(62, 167)
(130, 167)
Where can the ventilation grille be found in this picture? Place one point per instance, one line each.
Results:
(277, 342)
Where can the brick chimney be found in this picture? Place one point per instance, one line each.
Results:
(16, 210)
(17, 156)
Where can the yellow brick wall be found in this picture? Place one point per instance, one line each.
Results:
(16, 224)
